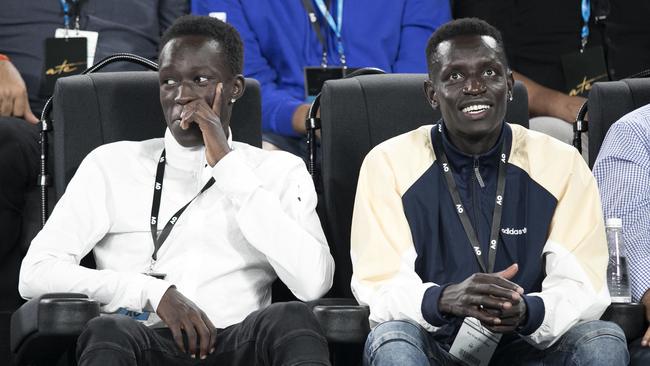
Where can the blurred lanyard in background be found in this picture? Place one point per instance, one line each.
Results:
(587, 66)
(69, 52)
(585, 9)
(335, 26)
(315, 76)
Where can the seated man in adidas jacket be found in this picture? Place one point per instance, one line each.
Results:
(189, 231)
(475, 241)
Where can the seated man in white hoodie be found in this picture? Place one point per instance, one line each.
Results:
(189, 231)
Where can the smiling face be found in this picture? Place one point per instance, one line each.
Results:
(190, 69)
(470, 82)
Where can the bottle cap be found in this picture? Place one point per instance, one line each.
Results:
(614, 222)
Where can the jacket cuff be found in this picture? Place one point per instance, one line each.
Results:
(535, 311)
(429, 307)
(281, 121)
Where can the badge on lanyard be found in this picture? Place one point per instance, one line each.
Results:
(315, 76)
(63, 57)
(91, 41)
(587, 66)
(135, 315)
(70, 51)
(474, 344)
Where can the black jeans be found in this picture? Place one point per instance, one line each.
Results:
(281, 334)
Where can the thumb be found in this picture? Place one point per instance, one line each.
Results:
(216, 102)
(509, 272)
(29, 116)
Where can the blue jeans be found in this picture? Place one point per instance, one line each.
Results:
(407, 343)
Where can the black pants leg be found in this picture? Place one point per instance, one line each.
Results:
(282, 334)
(19, 158)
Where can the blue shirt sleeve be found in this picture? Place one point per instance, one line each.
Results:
(278, 105)
(419, 20)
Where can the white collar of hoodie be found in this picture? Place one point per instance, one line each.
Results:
(187, 158)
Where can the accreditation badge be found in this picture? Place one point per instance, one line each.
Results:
(91, 40)
(63, 57)
(316, 76)
(583, 69)
(474, 344)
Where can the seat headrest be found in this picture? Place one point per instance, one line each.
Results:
(608, 102)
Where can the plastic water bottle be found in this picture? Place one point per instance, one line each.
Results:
(618, 278)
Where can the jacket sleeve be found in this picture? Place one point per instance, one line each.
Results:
(419, 20)
(278, 105)
(382, 251)
(280, 221)
(574, 289)
(81, 218)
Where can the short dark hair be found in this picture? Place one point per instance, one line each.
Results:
(462, 27)
(225, 34)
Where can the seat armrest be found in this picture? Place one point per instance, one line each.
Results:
(48, 316)
(629, 316)
(342, 320)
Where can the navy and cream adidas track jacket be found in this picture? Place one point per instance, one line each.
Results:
(407, 240)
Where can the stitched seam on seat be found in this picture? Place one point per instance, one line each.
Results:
(366, 112)
(99, 111)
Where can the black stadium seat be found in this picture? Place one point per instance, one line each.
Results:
(609, 101)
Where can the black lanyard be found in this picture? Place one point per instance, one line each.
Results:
(313, 20)
(155, 207)
(439, 150)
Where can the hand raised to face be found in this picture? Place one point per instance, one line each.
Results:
(208, 119)
(491, 298)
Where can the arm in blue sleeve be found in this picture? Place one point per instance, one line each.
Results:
(429, 307)
(419, 21)
(278, 105)
(535, 311)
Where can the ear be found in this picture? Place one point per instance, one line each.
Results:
(510, 80)
(238, 87)
(430, 93)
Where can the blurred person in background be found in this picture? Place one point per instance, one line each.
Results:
(291, 47)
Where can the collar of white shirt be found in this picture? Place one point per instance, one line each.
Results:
(186, 158)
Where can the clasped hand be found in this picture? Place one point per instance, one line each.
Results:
(182, 315)
(491, 298)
